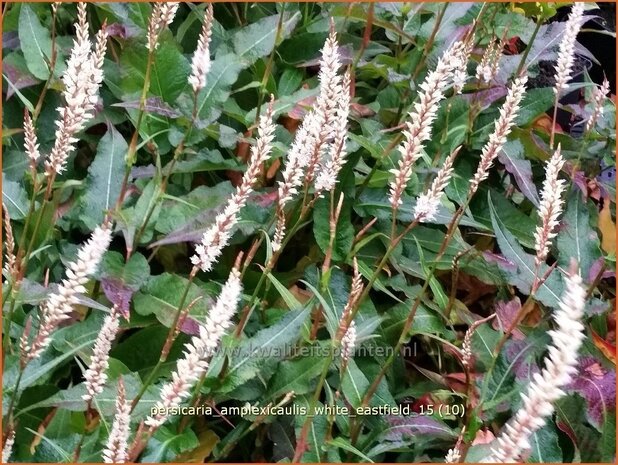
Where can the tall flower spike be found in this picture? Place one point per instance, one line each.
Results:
(198, 351)
(11, 267)
(598, 97)
(117, 444)
(311, 137)
(81, 79)
(460, 72)
(200, 65)
(327, 176)
(418, 127)
(488, 67)
(355, 292)
(566, 51)
(59, 305)
(218, 235)
(545, 388)
(7, 450)
(502, 129)
(327, 102)
(427, 203)
(96, 374)
(31, 143)
(162, 16)
(550, 207)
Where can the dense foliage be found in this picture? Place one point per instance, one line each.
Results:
(451, 311)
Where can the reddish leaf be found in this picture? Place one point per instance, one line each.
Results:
(598, 387)
(506, 313)
(118, 293)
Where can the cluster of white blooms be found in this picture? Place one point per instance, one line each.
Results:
(200, 65)
(348, 342)
(115, 450)
(550, 207)
(566, 52)
(10, 267)
(488, 67)
(82, 80)
(31, 144)
(598, 97)
(218, 235)
(418, 127)
(162, 16)
(96, 374)
(545, 389)
(502, 129)
(460, 73)
(59, 305)
(7, 450)
(325, 122)
(327, 175)
(427, 203)
(198, 351)
(453, 456)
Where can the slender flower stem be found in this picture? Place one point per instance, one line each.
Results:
(524, 56)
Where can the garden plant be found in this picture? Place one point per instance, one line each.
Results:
(308, 232)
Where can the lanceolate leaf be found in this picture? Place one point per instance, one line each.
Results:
(35, 43)
(576, 238)
(258, 39)
(522, 276)
(521, 169)
(269, 344)
(104, 180)
(223, 73)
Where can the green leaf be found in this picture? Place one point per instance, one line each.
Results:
(268, 344)
(290, 300)
(576, 238)
(545, 447)
(535, 103)
(521, 268)
(342, 443)
(15, 198)
(516, 222)
(257, 40)
(344, 234)
(168, 75)
(290, 80)
(161, 297)
(104, 180)
(223, 73)
(134, 273)
(167, 444)
(299, 375)
(35, 43)
(317, 430)
(354, 386)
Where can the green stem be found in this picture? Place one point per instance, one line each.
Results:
(528, 48)
(9, 412)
